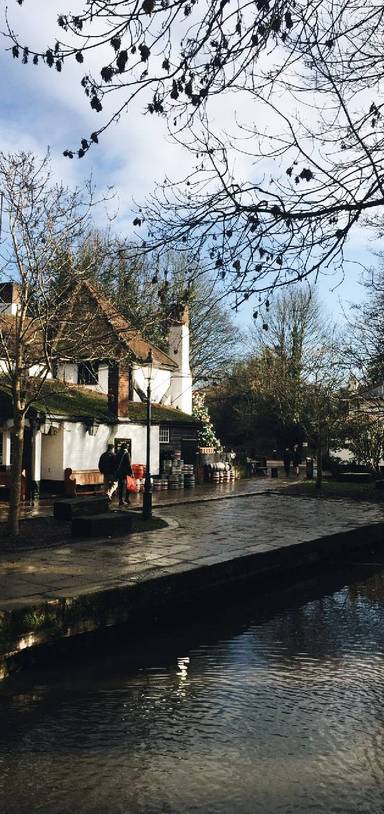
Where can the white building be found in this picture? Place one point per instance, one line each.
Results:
(94, 401)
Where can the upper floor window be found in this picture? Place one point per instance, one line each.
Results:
(88, 373)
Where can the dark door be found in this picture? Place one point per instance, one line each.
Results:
(188, 450)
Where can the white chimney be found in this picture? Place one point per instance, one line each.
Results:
(181, 379)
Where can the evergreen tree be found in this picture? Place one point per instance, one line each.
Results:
(207, 436)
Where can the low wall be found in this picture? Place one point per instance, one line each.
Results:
(26, 632)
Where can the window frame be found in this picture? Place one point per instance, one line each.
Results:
(92, 372)
(167, 432)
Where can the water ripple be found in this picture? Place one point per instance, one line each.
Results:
(285, 716)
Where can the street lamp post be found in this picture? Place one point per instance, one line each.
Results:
(147, 498)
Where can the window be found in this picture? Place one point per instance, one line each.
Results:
(164, 435)
(88, 373)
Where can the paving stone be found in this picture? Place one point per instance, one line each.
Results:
(209, 532)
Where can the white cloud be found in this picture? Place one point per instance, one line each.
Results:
(42, 107)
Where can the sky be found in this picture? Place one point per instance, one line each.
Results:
(40, 108)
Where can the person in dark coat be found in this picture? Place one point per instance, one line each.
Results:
(287, 457)
(296, 460)
(107, 467)
(123, 469)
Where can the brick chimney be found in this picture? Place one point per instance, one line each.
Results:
(119, 389)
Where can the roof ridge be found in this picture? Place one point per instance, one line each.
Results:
(106, 303)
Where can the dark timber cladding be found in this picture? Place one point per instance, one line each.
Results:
(181, 436)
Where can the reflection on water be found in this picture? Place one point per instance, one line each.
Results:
(263, 710)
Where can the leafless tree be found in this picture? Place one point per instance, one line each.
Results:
(214, 337)
(146, 290)
(41, 226)
(294, 324)
(365, 337)
(313, 75)
(291, 383)
(366, 440)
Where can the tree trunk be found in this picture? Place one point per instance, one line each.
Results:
(16, 469)
(319, 463)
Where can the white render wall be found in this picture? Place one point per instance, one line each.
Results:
(39, 370)
(34, 370)
(6, 444)
(102, 386)
(36, 455)
(181, 392)
(73, 447)
(9, 308)
(52, 456)
(82, 451)
(67, 372)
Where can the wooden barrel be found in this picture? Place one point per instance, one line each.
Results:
(173, 481)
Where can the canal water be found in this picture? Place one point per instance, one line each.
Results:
(261, 706)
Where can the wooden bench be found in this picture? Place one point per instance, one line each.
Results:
(81, 477)
(257, 466)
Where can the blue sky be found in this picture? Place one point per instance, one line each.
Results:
(40, 108)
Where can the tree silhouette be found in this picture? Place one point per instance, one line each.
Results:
(313, 74)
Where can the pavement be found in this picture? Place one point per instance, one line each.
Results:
(224, 523)
(202, 492)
